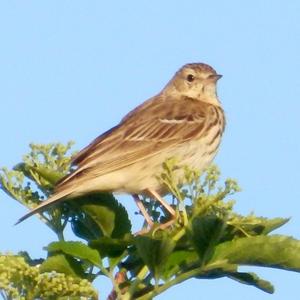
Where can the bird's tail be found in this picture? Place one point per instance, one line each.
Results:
(57, 197)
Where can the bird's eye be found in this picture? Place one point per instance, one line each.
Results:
(190, 78)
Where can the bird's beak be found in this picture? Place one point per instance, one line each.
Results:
(214, 77)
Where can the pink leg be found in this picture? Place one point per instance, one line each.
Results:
(141, 207)
(157, 197)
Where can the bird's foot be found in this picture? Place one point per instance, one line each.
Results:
(155, 227)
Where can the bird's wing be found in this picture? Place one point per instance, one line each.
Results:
(143, 134)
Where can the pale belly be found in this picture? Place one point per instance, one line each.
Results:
(144, 175)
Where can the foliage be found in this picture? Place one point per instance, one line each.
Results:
(208, 239)
(20, 280)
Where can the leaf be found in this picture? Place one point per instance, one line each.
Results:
(51, 176)
(76, 249)
(253, 279)
(253, 225)
(221, 269)
(274, 251)
(110, 247)
(61, 263)
(154, 252)
(107, 214)
(272, 224)
(178, 261)
(206, 232)
(85, 228)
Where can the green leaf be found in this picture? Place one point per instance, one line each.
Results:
(272, 224)
(107, 214)
(61, 263)
(49, 175)
(154, 252)
(206, 232)
(110, 247)
(178, 261)
(274, 251)
(253, 279)
(218, 270)
(76, 249)
(85, 228)
(252, 225)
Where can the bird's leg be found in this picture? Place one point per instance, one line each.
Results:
(167, 206)
(141, 207)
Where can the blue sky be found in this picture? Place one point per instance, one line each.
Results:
(72, 69)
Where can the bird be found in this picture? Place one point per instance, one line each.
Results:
(184, 120)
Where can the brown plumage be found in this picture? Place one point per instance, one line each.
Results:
(185, 120)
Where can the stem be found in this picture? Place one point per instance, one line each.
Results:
(60, 235)
(140, 276)
(178, 235)
(173, 190)
(115, 285)
(110, 275)
(239, 228)
(185, 216)
(179, 278)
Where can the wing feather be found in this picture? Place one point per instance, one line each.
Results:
(143, 134)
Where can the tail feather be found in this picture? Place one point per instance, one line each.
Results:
(53, 199)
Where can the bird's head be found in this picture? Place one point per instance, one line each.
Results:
(196, 81)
